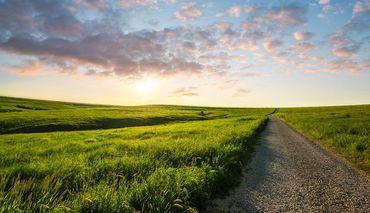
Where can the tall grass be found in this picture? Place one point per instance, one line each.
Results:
(345, 129)
(164, 168)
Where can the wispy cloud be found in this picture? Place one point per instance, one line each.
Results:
(240, 92)
(29, 68)
(346, 51)
(186, 91)
(134, 3)
(271, 44)
(303, 46)
(291, 14)
(234, 11)
(188, 11)
(324, 1)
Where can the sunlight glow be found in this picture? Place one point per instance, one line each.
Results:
(146, 86)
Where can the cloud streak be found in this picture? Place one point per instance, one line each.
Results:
(188, 11)
(186, 92)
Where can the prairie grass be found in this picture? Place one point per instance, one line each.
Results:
(170, 167)
(343, 129)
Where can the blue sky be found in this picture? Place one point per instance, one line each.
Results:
(213, 53)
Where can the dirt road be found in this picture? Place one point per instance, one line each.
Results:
(289, 173)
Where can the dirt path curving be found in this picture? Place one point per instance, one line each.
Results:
(289, 173)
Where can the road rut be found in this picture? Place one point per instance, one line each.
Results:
(289, 173)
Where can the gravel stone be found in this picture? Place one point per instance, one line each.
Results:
(290, 173)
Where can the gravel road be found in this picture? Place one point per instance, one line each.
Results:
(289, 173)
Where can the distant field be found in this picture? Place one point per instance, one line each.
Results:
(344, 129)
(25, 115)
(187, 155)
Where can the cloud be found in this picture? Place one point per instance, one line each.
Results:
(18, 17)
(221, 26)
(246, 74)
(234, 11)
(248, 25)
(171, 1)
(345, 52)
(249, 8)
(95, 4)
(93, 37)
(324, 1)
(303, 46)
(135, 3)
(63, 25)
(339, 40)
(361, 7)
(271, 44)
(241, 92)
(186, 91)
(312, 58)
(56, 34)
(360, 21)
(29, 68)
(302, 35)
(124, 55)
(291, 14)
(345, 66)
(321, 15)
(188, 11)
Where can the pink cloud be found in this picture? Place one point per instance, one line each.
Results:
(309, 57)
(302, 35)
(324, 1)
(303, 46)
(188, 11)
(29, 68)
(345, 52)
(234, 11)
(271, 44)
(339, 40)
(134, 3)
(286, 15)
(361, 7)
(221, 26)
(345, 65)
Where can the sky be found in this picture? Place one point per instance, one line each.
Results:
(257, 53)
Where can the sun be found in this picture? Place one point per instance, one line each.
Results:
(146, 86)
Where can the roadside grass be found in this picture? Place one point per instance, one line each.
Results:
(171, 167)
(343, 129)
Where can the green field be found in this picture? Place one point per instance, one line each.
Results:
(27, 116)
(343, 129)
(58, 156)
(71, 157)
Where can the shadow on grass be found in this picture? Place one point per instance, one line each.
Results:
(106, 123)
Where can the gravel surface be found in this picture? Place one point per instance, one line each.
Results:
(289, 173)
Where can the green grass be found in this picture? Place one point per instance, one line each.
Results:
(60, 116)
(171, 166)
(343, 129)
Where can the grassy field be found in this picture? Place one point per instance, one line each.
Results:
(166, 159)
(343, 129)
(24, 115)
